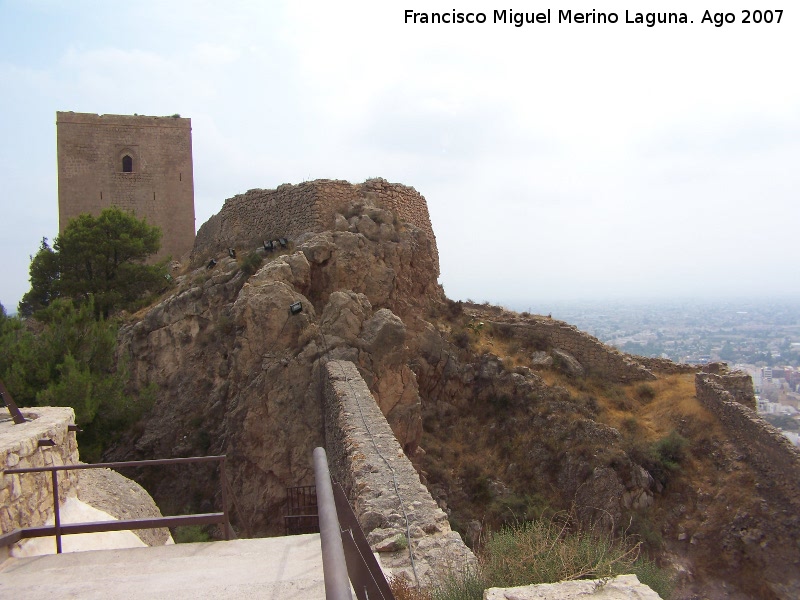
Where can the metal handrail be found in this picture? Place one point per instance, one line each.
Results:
(58, 529)
(334, 567)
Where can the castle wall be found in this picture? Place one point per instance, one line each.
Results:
(665, 365)
(367, 460)
(246, 220)
(590, 352)
(159, 187)
(737, 383)
(26, 500)
(761, 445)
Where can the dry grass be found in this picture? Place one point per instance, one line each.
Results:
(403, 589)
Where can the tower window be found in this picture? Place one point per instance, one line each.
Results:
(127, 164)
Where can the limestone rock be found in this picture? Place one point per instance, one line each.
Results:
(382, 333)
(567, 363)
(623, 587)
(541, 359)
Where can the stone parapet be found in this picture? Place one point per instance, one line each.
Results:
(737, 383)
(26, 500)
(395, 510)
(761, 445)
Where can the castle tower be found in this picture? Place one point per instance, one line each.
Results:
(136, 163)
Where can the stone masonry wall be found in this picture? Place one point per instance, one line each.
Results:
(591, 353)
(738, 383)
(367, 460)
(665, 365)
(248, 219)
(763, 447)
(26, 500)
(160, 186)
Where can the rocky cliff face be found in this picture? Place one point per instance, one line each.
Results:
(238, 373)
(506, 416)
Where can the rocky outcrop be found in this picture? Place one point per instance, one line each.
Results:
(233, 365)
(123, 499)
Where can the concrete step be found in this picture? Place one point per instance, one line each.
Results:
(281, 568)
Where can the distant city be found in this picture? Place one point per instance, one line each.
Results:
(761, 338)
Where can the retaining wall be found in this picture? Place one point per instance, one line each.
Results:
(27, 500)
(382, 484)
(246, 220)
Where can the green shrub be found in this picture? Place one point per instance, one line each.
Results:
(463, 585)
(461, 339)
(645, 392)
(671, 450)
(548, 551)
(661, 581)
(251, 263)
(70, 361)
(190, 534)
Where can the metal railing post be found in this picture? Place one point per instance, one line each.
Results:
(58, 529)
(334, 567)
(224, 483)
(56, 514)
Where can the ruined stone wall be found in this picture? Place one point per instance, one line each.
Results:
(665, 365)
(381, 482)
(738, 383)
(159, 187)
(762, 446)
(248, 219)
(26, 500)
(591, 353)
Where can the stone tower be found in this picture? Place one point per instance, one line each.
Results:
(136, 163)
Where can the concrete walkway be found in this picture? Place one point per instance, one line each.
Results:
(280, 568)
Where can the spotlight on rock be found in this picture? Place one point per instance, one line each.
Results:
(211, 264)
(295, 307)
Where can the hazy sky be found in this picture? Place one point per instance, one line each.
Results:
(559, 161)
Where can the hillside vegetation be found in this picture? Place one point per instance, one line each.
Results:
(499, 457)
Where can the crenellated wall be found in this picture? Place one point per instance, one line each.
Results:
(591, 353)
(246, 220)
(381, 483)
(26, 500)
